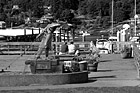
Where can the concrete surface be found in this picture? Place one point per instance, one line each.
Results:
(113, 71)
(43, 79)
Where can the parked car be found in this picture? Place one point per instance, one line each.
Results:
(113, 38)
(103, 46)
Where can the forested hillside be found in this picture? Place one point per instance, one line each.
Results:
(101, 10)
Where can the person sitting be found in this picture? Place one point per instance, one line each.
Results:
(71, 48)
(77, 53)
(64, 48)
(93, 48)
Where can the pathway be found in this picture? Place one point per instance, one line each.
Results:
(113, 71)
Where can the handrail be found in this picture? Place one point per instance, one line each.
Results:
(136, 54)
(32, 47)
(35, 43)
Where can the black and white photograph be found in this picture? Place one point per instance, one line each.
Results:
(69, 46)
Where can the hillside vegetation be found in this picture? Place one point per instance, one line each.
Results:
(97, 11)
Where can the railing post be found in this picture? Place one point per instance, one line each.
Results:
(8, 49)
(24, 49)
(20, 49)
(24, 31)
(32, 31)
(39, 30)
(136, 53)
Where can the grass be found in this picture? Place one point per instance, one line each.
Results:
(80, 90)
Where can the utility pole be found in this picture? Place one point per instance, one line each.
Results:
(112, 15)
(135, 19)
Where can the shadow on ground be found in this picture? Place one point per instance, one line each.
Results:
(105, 60)
(96, 77)
(104, 70)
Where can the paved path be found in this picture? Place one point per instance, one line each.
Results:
(14, 63)
(113, 71)
(113, 67)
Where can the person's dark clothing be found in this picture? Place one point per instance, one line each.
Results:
(64, 48)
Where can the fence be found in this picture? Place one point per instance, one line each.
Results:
(136, 54)
(27, 48)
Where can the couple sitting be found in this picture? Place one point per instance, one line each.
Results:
(70, 49)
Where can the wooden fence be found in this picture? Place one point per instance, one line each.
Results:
(27, 48)
(136, 54)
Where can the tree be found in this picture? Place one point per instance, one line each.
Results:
(3, 16)
(37, 8)
(2, 3)
(127, 8)
(67, 15)
(105, 21)
(82, 7)
(61, 9)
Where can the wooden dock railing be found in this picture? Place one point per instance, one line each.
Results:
(27, 48)
(136, 54)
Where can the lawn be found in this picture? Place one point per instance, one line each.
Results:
(80, 90)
